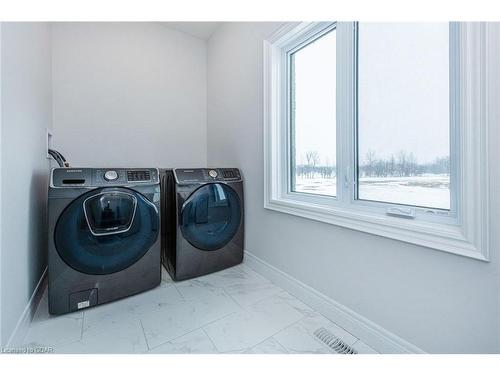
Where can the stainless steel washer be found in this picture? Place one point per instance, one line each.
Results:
(202, 220)
(104, 242)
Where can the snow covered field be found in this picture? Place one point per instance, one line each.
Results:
(426, 190)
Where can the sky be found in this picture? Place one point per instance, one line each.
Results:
(315, 96)
(403, 96)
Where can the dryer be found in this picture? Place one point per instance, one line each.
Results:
(202, 223)
(104, 241)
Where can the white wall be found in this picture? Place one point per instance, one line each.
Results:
(437, 301)
(25, 115)
(129, 94)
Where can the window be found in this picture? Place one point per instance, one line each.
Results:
(403, 129)
(380, 128)
(312, 116)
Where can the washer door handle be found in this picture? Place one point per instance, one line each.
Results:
(111, 212)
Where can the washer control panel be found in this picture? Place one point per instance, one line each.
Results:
(97, 177)
(203, 175)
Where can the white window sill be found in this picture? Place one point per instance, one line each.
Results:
(443, 237)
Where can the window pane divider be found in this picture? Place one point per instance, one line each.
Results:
(346, 110)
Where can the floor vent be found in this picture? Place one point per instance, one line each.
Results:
(333, 342)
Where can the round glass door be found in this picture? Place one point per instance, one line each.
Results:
(106, 230)
(211, 216)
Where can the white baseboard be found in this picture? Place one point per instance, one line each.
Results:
(17, 337)
(369, 332)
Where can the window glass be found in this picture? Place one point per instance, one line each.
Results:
(79, 238)
(403, 114)
(313, 117)
(211, 216)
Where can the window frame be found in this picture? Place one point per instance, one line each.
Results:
(466, 231)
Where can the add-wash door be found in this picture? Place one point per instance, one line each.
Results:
(211, 216)
(106, 230)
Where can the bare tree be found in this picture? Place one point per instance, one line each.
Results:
(312, 158)
(402, 163)
(391, 166)
(412, 168)
(370, 163)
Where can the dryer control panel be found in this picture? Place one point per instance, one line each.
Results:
(204, 175)
(99, 177)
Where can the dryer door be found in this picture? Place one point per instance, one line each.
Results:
(106, 230)
(211, 216)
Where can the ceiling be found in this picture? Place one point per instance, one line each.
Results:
(201, 30)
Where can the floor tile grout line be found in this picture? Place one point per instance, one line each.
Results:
(212, 341)
(191, 331)
(83, 324)
(216, 320)
(232, 298)
(243, 269)
(263, 299)
(144, 334)
(276, 333)
(255, 302)
(288, 326)
(272, 337)
(297, 298)
(281, 291)
(179, 293)
(261, 275)
(279, 343)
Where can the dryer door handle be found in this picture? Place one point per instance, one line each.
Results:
(111, 212)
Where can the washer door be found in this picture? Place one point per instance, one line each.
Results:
(106, 230)
(211, 216)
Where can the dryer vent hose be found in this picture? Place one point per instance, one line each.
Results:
(57, 156)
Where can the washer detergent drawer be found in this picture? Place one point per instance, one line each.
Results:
(83, 299)
(110, 213)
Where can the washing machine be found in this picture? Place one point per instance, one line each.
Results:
(202, 220)
(104, 235)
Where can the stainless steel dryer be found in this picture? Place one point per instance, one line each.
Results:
(104, 241)
(202, 220)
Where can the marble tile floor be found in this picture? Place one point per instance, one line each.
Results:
(232, 311)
